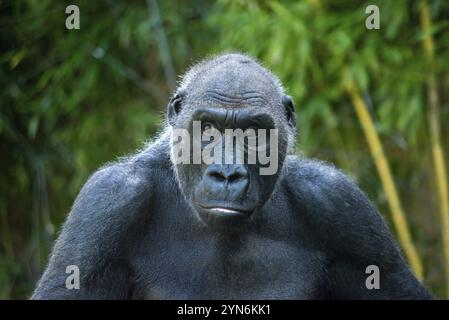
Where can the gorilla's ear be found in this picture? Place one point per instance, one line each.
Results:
(289, 110)
(174, 107)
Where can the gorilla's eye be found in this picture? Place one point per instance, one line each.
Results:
(206, 126)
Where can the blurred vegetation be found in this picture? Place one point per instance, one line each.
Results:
(72, 100)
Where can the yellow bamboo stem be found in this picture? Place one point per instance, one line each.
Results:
(386, 177)
(435, 138)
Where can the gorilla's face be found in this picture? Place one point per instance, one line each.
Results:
(226, 190)
(229, 141)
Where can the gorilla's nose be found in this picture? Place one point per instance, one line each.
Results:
(233, 177)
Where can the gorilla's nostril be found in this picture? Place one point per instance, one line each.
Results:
(227, 174)
(217, 176)
(234, 177)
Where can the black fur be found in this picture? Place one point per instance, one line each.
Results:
(135, 233)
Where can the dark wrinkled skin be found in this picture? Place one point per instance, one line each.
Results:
(138, 229)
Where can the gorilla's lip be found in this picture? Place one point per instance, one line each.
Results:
(225, 211)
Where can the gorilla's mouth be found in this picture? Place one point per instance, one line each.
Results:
(217, 212)
(225, 212)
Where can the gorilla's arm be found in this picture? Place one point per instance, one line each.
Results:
(95, 237)
(353, 234)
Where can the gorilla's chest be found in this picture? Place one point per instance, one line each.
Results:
(198, 268)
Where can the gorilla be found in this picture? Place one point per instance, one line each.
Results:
(151, 227)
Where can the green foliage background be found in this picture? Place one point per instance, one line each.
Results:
(72, 100)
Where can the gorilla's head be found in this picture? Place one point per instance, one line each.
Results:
(230, 91)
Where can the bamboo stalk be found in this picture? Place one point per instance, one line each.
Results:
(435, 136)
(386, 178)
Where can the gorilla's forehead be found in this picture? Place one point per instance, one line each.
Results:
(234, 83)
(235, 98)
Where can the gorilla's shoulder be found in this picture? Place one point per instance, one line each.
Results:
(315, 172)
(120, 179)
(124, 185)
(326, 191)
(336, 208)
